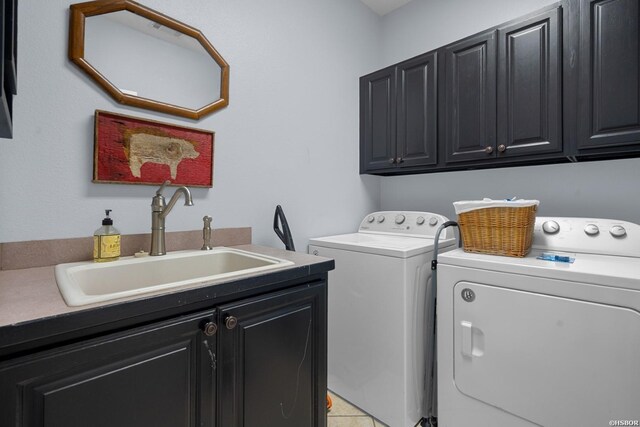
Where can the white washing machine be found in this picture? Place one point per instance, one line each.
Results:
(531, 342)
(378, 325)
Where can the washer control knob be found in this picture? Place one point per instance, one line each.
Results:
(420, 220)
(550, 227)
(371, 218)
(380, 219)
(400, 219)
(433, 221)
(591, 229)
(618, 231)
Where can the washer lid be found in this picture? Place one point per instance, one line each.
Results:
(605, 270)
(380, 244)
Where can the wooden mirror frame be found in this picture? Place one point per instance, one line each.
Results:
(78, 13)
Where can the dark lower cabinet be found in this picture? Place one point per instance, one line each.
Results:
(160, 375)
(609, 76)
(273, 355)
(257, 362)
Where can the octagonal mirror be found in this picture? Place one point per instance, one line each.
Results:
(146, 59)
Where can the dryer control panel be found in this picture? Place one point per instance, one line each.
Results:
(587, 235)
(406, 223)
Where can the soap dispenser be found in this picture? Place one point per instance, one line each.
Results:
(106, 241)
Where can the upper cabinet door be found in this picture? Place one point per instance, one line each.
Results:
(417, 131)
(378, 120)
(470, 98)
(609, 74)
(530, 86)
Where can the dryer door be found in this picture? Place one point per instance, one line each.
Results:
(552, 361)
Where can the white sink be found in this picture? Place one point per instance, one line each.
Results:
(88, 282)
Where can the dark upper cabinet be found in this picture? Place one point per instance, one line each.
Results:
(8, 62)
(161, 375)
(272, 360)
(530, 86)
(609, 76)
(503, 92)
(557, 85)
(417, 130)
(398, 116)
(378, 120)
(469, 105)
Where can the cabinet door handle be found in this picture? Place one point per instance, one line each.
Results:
(230, 322)
(399, 160)
(488, 149)
(210, 329)
(502, 148)
(392, 160)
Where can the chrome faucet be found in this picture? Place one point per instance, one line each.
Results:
(159, 211)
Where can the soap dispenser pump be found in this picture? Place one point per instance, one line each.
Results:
(106, 241)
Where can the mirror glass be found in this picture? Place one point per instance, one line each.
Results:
(146, 59)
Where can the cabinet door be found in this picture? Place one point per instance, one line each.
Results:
(162, 375)
(470, 98)
(417, 131)
(272, 365)
(530, 86)
(378, 120)
(609, 74)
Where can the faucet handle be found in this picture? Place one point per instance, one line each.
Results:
(159, 190)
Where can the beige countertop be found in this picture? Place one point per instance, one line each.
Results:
(32, 293)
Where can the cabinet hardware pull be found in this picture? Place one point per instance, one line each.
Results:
(502, 148)
(488, 149)
(392, 160)
(399, 160)
(210, 329)
(230, 322)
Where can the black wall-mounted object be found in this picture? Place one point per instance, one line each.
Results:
(8, 64)
(557, 85)
(281, 227)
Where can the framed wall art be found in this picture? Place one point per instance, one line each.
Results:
(130, 150)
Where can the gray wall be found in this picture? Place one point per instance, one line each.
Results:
(289, 135)
(606, 189)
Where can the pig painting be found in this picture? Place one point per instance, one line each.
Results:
(149, 145)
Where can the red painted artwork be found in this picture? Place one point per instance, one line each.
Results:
(128, 150)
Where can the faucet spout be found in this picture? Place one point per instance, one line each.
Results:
(159, 212)
(188, 201)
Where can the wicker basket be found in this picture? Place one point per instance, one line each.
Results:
(504, 231)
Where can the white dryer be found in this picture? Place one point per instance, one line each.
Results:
(378, 325)
(532, 342)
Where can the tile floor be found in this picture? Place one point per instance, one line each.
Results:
(344, 414)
